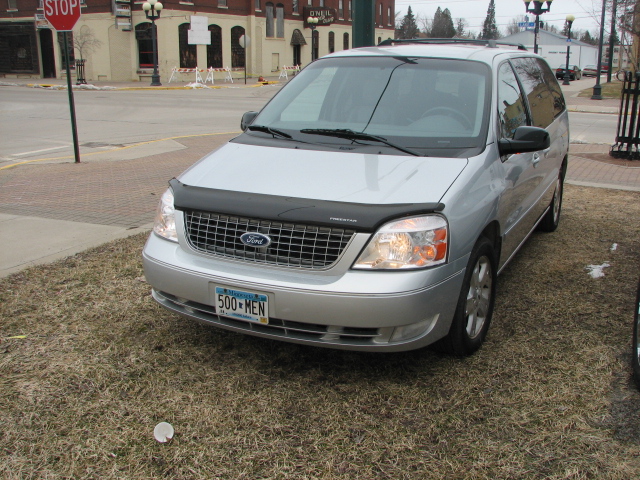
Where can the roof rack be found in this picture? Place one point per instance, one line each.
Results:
(441, 41)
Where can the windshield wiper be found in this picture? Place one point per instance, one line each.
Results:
(351, 135)
(273, 131)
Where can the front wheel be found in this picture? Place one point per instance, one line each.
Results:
(635, 352)
(475, 305)
(551, 219)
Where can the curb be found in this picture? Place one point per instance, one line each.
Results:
(56, 86)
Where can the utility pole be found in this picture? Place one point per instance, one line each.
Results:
(363, 24)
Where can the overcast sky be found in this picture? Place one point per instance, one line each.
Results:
(475, 11)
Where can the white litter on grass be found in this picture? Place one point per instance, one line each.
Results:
(614, 247)
(597, 271)
(163, 432)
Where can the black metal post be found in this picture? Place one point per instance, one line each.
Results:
(567, 77)
(155, 78)
(152, 9)
(536, 32)
(597, 89)
(72, 107)
(537, 10)
(612, 38)
(313, 41)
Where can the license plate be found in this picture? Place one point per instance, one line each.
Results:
(250, 306)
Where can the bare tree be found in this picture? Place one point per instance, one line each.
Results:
(512, 26)
(85, 41)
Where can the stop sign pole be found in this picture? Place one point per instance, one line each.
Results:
(63, 15)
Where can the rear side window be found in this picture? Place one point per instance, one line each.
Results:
(541, 89)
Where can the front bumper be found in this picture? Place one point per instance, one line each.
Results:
(353, 310)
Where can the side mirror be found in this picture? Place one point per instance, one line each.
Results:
(525, 139)
(247, 119)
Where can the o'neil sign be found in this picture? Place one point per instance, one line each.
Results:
(62, 14)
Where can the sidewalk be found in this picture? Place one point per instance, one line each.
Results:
(53, 210)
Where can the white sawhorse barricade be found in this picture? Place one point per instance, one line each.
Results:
(175, 71)
(211, 71)
(284, 69)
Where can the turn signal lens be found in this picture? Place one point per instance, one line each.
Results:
(405, 244)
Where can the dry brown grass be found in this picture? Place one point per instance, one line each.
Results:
(549, 396)
(612, 89)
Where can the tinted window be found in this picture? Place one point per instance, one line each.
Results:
(418, 102)
(541, 89)
(512, 111)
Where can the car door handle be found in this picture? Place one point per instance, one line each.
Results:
(535, 159)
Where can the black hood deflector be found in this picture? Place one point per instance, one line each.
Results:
(357, 216)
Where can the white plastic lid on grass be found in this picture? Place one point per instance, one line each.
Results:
(163, 432)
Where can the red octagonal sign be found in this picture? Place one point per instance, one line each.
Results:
(62, 14)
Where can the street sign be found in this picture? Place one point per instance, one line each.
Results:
(62, 14)
(527, 24)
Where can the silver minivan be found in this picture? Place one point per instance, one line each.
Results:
(371, 204)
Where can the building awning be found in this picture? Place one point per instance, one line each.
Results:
(297, 38)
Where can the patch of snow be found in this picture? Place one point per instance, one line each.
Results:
(196, 85)
(614, 247)
(597, 271)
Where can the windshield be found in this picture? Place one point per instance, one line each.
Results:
(419, 103)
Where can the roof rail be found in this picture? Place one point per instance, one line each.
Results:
(441, 41)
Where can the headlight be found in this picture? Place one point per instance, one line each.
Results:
(165, 222)
(405, 244)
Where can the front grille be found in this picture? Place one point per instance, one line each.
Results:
(283, 329)
(292, 245)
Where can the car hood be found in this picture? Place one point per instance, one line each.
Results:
(325, 175)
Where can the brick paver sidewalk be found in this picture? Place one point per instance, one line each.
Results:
(125, 193)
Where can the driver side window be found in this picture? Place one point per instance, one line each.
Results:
(511, 107)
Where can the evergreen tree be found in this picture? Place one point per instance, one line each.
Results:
(408, 27)
(489, 29)
(587, 38)
(442, 26)
(461, 27)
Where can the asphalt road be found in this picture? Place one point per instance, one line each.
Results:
(35, 123)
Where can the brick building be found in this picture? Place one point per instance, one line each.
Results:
(277, 31)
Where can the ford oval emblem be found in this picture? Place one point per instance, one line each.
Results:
(254, 239)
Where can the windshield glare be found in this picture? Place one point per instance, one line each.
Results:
(416, 102)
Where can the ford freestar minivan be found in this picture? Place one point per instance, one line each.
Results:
(372, 202)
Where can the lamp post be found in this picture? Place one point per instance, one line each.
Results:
(152, 9)
(597, 89)
(312, 22)
(537, 10)
(570, 19)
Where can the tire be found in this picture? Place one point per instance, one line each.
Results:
(635, 352)
(475, 305)
(551, 219)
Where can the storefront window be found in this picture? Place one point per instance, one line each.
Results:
(145, 45)
(237, 52)
(188, 53)
(214, 51)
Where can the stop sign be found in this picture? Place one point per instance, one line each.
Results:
(62, 14)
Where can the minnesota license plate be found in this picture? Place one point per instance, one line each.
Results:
(250, 306)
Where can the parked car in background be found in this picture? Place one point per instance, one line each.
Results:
(590, 71)
(574, 72)
(371, 204)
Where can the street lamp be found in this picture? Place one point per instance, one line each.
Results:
(312, 22)
(537, 10)
(152, 10)
(570, 19)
